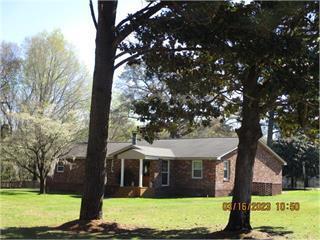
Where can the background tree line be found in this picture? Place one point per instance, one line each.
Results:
(43, 102)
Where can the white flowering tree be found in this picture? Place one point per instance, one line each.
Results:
(37, 144)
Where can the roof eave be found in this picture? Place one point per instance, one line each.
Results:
(280, 159)
(221, 156)
(111, 155)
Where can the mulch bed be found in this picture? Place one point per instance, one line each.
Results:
(116, 229)
(93, 226)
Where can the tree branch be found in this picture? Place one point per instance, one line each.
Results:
(127, 60)
(130, 17)
(93, 15)
(135, 22)
(139, 52)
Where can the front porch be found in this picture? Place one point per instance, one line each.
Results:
(137, 171)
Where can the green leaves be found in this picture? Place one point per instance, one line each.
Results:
(296, 151)
(221, 42)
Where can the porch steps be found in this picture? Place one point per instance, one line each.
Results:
(134, 192)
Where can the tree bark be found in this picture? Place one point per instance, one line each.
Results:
(270, 128)
(306, 182)
(34, 174)
(292, 182)
(249, 134)
(93, 192)
(42, 185)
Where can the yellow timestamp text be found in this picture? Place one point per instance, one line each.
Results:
(260, 206)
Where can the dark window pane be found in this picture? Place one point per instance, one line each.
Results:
(226, 169)
(60, 167)
(164, 166)
(197, 173)
(164, 178)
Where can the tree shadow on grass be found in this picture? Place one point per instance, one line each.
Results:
(113, 230)
(109, 231)
(274, 231)
(17, 191)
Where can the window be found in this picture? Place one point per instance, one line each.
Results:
(226, 170)
(197, 169)
(146, 168)
(165, 170)
(60, 167)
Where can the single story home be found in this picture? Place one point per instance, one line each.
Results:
(171, 167)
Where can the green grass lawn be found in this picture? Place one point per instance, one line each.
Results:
(25, 214)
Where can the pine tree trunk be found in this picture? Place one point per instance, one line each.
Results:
(93, 192)
(270, 128)
(306, 182)
(249, 134)
(292, 182)
(42, 185)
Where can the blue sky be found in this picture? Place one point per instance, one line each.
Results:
(23, 18)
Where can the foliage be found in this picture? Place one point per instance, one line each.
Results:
(136, 83)
(52, 77)
(10, 77)
(43, 101)
(163, 218)
(206, 54)
(120, 124)
(44, 77)
(10, 171)
(295, 152)
(37, 144)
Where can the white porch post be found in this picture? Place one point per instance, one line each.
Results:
(140, 172)
(122, 173)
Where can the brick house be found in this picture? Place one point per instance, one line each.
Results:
(173, 167)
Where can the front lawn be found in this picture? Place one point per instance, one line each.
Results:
(25, 214)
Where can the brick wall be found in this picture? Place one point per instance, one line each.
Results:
(266, 189)
(222, 187)
(266, 170)
(182, 183)
(70, 180)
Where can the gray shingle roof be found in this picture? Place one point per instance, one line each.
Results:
(181, 148)
(197, 147)
(201, 148)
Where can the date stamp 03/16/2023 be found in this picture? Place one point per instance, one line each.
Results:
(261, 206)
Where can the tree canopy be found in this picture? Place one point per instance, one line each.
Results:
(299, 153)
(219, 46)
(136, 82)
(37, 144)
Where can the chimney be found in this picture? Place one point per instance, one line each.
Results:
(134, 138)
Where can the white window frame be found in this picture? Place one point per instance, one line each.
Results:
(58, 165)
(111, 165)
(228, 170)
(194, 177)
(168, 174)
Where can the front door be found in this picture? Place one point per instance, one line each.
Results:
(146, 173)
